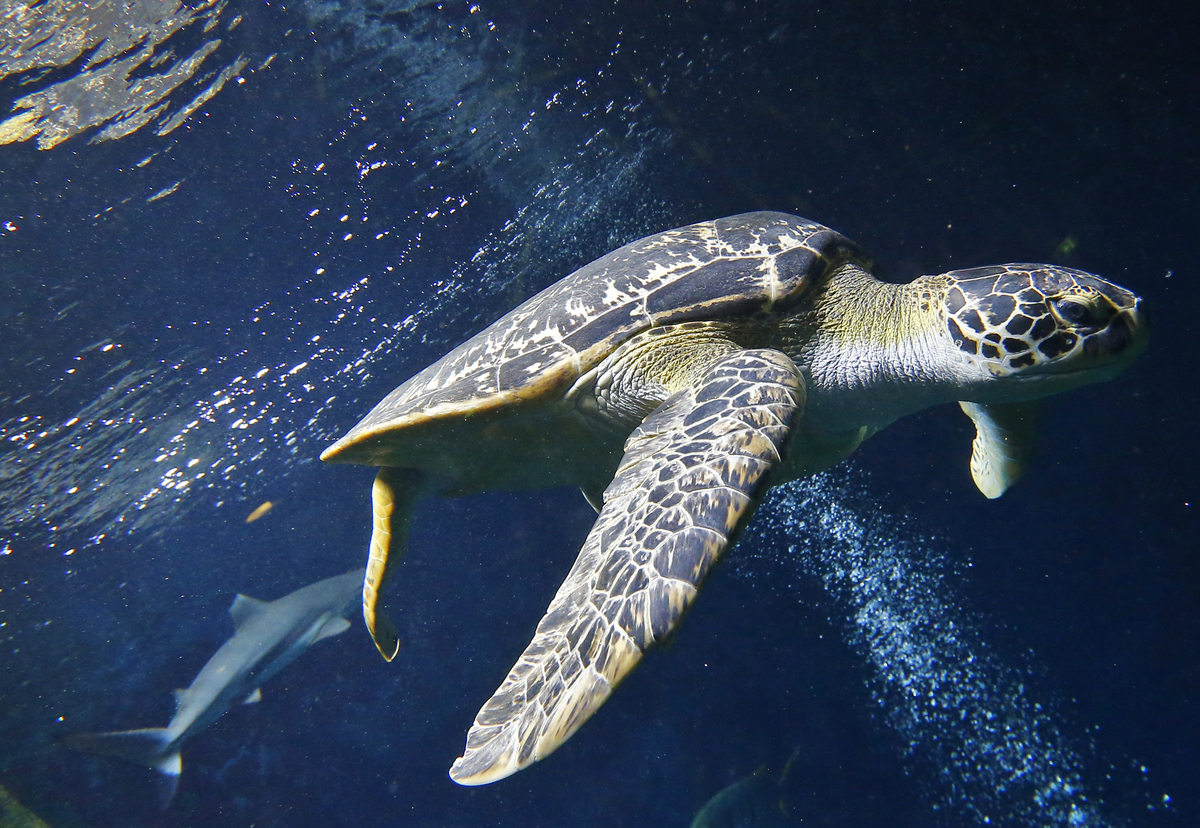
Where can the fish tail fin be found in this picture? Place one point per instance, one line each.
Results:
(168, 777)
(784, 808)
(787, 768)
(149, 746)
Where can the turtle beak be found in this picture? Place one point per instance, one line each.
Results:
(1125, 336)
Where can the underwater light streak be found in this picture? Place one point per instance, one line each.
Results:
(128, 459)
(150, 426)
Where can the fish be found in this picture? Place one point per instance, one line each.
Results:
(755, 801)
(262, 509)
(751, 802)
(268, 636)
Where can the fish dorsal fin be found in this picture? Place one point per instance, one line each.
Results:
(244, 608)
(334, 626)
(253, 698)
(1003, 443)
(594, 496)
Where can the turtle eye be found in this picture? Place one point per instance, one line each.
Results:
(1078, 312)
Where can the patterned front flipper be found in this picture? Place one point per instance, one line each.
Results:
(691, 476)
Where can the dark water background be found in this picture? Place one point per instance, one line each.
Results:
(400, 174)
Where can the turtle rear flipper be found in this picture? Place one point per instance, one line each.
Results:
(690, 478)
(393, 496)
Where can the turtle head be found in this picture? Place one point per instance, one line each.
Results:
(1042, 329)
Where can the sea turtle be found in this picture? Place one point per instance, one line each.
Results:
(674, 381)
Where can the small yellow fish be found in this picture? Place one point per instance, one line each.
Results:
(260, 511)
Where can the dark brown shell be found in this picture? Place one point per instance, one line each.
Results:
(743, 266)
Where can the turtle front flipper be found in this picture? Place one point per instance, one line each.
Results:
(1003, 443)
(691, 477)
(393, 496)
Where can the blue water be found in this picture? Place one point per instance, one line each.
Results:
(187, 319)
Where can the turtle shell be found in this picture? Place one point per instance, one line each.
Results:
(753, 265)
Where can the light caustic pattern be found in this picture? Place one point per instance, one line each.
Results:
(233, 423)
(112, 87)
(986, 748)
(151, 426)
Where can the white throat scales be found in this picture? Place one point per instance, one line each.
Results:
(873, 351)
